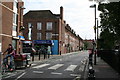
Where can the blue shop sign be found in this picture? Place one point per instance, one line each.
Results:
(42, 41)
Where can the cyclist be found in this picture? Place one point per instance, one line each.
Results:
(10, 52)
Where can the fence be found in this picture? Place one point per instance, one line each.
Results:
(112, 57)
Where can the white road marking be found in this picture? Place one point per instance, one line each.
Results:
(33, 64)
(56, 73)
(10, 76)
(81, 68)
(71, 68)
(20, 76)
(76, 75)
(56, 66)
(41, 66)
(38, 72)
(20, 70)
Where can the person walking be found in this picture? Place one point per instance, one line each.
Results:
(33, 53)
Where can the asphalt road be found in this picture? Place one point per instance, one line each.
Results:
(64, 67)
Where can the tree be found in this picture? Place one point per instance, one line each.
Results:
(85, 45)
(110, 24)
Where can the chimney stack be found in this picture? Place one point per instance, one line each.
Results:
(61, 12)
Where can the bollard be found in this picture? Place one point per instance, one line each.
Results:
(39, 55)
(91, 72)
(91, 77)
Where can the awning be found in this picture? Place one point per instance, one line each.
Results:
(21, 37)
(15, 37)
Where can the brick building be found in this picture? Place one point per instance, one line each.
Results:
(11, 19)
(73, 42)
(44, 25)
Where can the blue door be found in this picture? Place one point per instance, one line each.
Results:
(55, 47)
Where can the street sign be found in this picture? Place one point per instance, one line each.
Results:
(42, 41)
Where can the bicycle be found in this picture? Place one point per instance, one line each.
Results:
(6, 66)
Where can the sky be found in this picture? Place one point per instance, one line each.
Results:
(77, 13)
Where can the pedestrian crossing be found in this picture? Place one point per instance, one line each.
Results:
(70, 67)
(56, 66)
(40, 66)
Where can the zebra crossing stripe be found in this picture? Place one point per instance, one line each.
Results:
(56, 66)
(71, 68)
(33, 64)
(40, 66)
(38, 72)
(56, 73)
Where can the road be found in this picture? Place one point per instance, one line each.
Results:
(65, 67)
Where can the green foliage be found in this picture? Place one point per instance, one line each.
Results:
(85, 45)
(110, 24)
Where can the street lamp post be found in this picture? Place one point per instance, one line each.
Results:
(97, 29)
(94, 6)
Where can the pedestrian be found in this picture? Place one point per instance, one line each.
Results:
(10, 53)
(44, 52)
(49, 51)
(39, 52)
(32, 53)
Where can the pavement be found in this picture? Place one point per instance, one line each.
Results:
(102, 71)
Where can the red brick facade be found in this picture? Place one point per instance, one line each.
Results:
(58, 30)
(10, 23)
(73, 42)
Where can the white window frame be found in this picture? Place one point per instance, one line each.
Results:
(49, 36)
(39, 36)
(14, 18)
(15, 3)
(49, 26)
(39, 26)
(29, 29)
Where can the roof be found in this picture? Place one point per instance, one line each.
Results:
(36, 14)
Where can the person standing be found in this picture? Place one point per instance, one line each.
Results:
(49, 51)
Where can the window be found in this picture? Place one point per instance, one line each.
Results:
(15, 3)
(14, 43)
(29, 25)
(39, 26)
(14, 27)
(49, 25)
(49, 36)
(30, 31)
(39, 36)
(14, 18)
